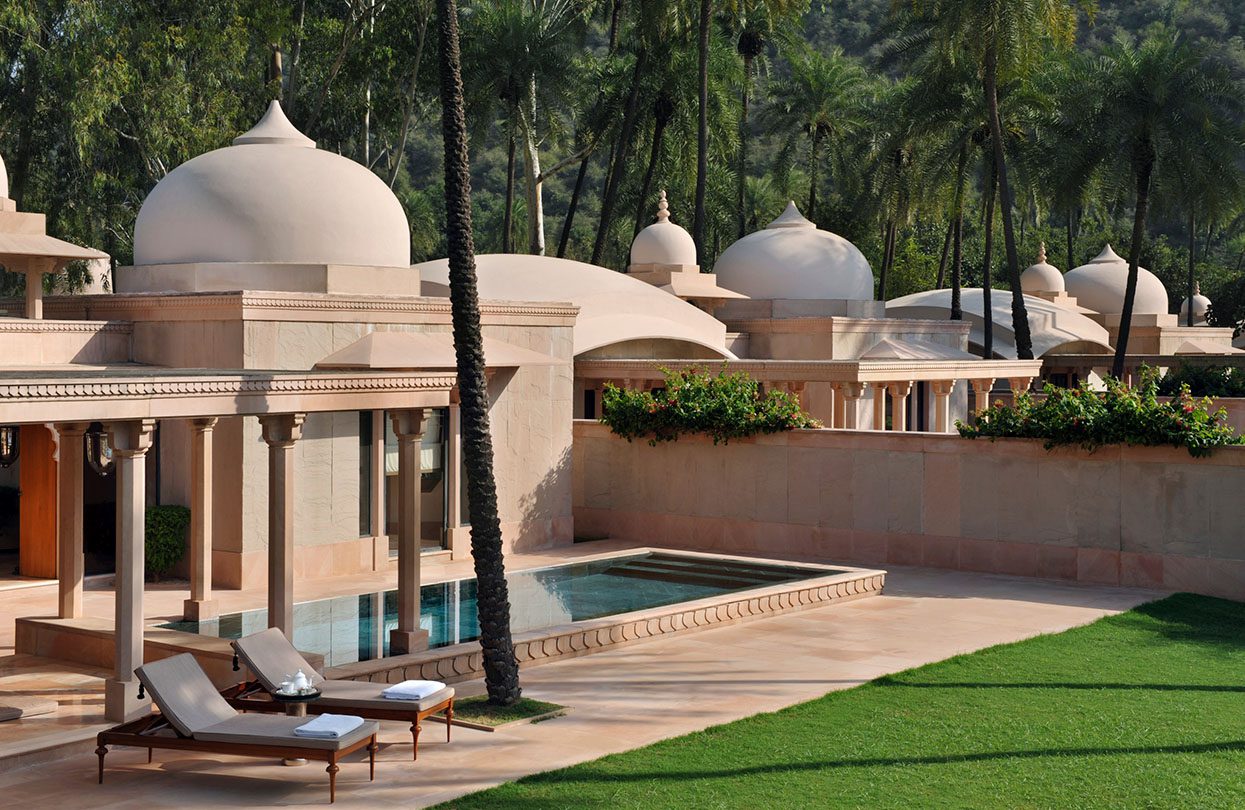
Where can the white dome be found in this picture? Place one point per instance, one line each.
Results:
(1100, 286)
(793, 259)
(4, 179)
(613, 307)
(1201, 305)
(272, 197)
(1042, 277)
(663, 242)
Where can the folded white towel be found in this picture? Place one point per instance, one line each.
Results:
(412, 690)
(329, 726)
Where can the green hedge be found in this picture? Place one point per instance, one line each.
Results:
(165, 528)
(1118, 415)
(1204, 381)
(723, 406)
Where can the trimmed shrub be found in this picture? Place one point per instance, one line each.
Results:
(723, 406)
(166, 527)
(1118, 415)
(1204, 381)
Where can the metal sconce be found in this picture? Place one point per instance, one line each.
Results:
(8, 445)
(98, 451)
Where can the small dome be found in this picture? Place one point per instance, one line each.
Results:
(4, 179)
(1042, 277)
(663, 242)
(1100, 286)
(791, 258)
(1201, 305)
(272, 197)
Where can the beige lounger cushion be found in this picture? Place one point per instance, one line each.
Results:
(273, 659)
(367, 695)
(184, 694)
(276, 729)
(13, 708)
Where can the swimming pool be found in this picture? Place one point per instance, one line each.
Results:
(346, 629)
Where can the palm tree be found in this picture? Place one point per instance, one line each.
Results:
(501, 669)
(1002, 39)
(820, 101)
(1149, 110)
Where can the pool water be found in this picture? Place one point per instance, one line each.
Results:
(356, 628)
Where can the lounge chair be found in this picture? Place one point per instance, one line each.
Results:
(271, 657)
(194, 717)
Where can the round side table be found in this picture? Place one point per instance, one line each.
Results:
(296, 706)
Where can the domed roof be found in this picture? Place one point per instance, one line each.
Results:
(663, 242)
(613, 307)
(1100, 286)
(791, 258)
(272, 197)
(1042, 277)
(1201, 305)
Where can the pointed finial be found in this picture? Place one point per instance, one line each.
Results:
(663, 207)
(1041, 253)
(1197, 288)
(4, 179)
(274, 128)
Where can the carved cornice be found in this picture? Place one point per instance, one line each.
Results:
(88, 385)
(24, 326)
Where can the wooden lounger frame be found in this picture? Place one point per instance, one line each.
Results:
(251, 696)
(151, 732)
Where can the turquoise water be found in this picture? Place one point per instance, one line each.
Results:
(356, 628)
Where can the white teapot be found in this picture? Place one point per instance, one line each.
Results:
(300, 682)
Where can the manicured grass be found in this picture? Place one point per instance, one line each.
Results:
(477, 710)
(1144, 709)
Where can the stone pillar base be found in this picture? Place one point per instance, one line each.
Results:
(121, 701)
(402, 642)
(197, 610)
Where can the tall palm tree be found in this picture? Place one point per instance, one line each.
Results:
(1001, 38)
(1147, 110)
(501, 669)
(820, 102)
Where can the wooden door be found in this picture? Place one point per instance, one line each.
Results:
(37, 538)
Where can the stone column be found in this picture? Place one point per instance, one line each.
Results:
(130, 443)
(879, 405)
(942, 404)
(408, 637)
(458, 540)
(899, 403)
(1019, 385)
(981, 394)
(69, 562)
(839, 406)
(380, 532)
(200, 605)
(281, 431)
(850, 396)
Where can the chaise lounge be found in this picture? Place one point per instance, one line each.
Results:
(194, 717)
(271, 657)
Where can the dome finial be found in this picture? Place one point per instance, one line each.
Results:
(274, 128)
(791, 218)
(1197, 288)
(1041, 253)
(663, 207)
(4, 180)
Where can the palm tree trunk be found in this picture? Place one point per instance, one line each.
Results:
(1071, 248)
(702, 133)
(507, 221)
(987, 308)
(1192, 265)
(813, 160)
(888, 256)
(501, 669)
(1020, 316)
(741, 180)
(621, 151)
(643, 211)
(565, 238)
(957, 259)
(1144, 163)
(946, 251)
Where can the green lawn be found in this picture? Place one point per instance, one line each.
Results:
(1144, 709)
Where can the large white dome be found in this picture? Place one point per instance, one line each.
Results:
(793, 259)
(663, 242)
(272, 197)
(1100, 286)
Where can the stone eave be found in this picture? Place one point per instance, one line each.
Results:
(818, 370)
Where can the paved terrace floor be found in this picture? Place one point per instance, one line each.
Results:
(620, 699)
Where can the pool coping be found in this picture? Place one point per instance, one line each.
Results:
(462, 662)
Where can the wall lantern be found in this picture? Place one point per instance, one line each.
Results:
(98, 450)
(8, 445)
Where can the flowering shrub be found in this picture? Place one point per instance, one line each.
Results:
(1118, 415)
(724, 406)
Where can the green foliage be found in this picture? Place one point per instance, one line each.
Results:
(1099, 716)
(1119, 415)
(165, 533)
(724, 406)
(1204, 381)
